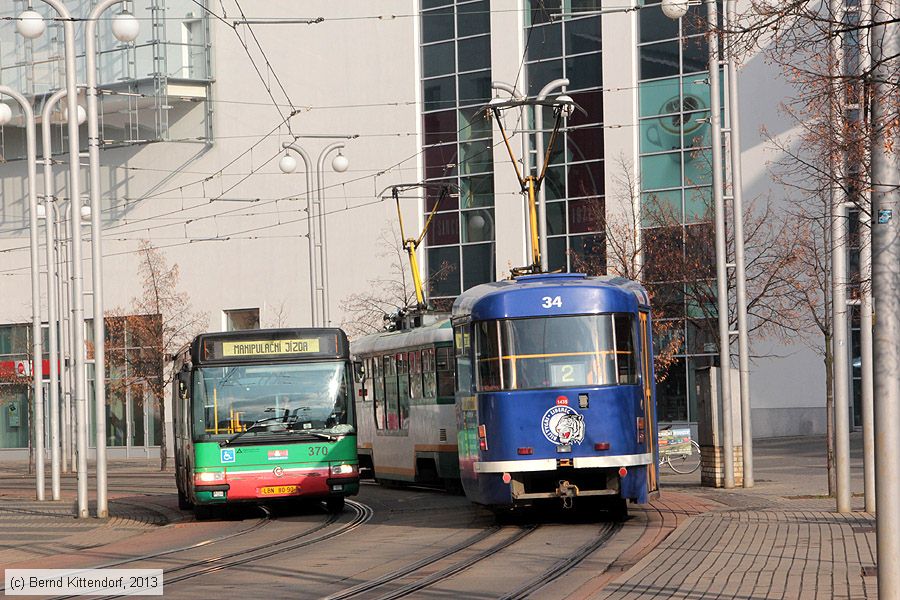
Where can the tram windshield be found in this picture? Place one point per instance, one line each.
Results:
(554, 352)
(258, 401)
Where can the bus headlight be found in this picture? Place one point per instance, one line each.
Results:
(208, 477)
(343, 469)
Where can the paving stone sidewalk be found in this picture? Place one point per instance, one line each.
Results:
(779, 539)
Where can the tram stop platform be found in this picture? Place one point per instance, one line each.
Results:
(780, 539)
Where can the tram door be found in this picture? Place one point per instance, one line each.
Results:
(647, 378)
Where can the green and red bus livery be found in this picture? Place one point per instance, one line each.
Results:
(264, 415)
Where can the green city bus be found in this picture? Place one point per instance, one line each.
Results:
(264, 415)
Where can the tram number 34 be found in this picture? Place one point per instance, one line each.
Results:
(551, 301)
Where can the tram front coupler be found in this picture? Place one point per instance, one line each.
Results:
(567, 492)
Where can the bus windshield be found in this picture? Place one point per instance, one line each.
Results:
(554, 352)
(262, 400)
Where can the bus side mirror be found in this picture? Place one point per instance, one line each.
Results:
(359, 372)
(184, 382)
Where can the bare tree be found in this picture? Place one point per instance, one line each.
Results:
(369, 311)
(142, 338)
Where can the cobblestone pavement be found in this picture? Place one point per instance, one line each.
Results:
(779, 539)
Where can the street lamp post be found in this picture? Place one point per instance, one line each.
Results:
(675, 9)
(539, 152)
(50, 214)
(36, 354)
(125, 28)
(30, 24)
(287, 164)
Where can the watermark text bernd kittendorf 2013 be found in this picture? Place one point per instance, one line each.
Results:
(84, 582)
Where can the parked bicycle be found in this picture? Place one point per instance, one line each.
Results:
(678, 450)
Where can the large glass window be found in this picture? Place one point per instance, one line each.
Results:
(456, 83)
(554, 352)
(571, 47)
(263, 401)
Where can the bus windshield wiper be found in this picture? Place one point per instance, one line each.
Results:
(319, 434)
(257, 423)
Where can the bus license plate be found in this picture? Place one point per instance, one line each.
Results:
(278, 490)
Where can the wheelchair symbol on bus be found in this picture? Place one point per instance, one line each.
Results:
(227, 455)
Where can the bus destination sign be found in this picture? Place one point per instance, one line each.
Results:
(269, 347)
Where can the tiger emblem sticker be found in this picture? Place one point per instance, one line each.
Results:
(563, 426)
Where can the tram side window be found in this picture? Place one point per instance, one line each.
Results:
(379, 392)
(487, 349)
(415, 374)
(625, 354)
(390, 392)
(403, 390)
(456, 375)
(429, 381)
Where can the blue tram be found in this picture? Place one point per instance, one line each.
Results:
(555, 393)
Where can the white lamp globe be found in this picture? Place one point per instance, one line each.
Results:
(674, 9)
(5, 114)
(567, 105)
(82, 114)
(340, 163)
(30, 24)
(125, 27)
(85, 211)
(287, 164)
(477, 222)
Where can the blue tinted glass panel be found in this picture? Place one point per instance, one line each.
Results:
(475, 88)
(473, 18)
(659, 60)
(661, 135)
(447, 201)
(698, 167)
(589, 250)
(443, 271)
(478, 264)
(695, 54)
(555, 183)
(557, 254)
(661, 171)
(655, 26)
(474, 53)
(662, 208)
(476, 157)
(477, 191)
(437, 25)
(659, 97)
(698, 205)
(584, 71)
(544, 42)
(478, 225)
(697, 130)
(583, 35)
(541, 10)
(542, 73)
(438, 59)
(556, 218)
(439, 94)
(473, 124)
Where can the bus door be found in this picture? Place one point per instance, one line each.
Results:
(649, 409)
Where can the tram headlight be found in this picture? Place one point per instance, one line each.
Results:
(209, 477)
(343, 469)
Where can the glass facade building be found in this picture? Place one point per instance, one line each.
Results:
(456, 84)
(574, 187)
(675, 175)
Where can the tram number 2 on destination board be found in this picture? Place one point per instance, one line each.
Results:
(550, 302)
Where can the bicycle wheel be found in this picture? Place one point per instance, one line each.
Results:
(686, 463)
